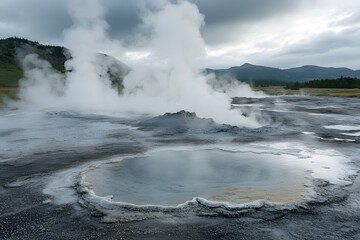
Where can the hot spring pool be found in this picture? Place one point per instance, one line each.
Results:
(170, 178)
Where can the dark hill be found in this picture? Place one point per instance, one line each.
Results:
(258, 74)
(14, 49)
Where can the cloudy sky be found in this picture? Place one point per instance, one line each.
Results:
(277, 33)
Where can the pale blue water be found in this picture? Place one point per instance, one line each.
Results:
(172, 177)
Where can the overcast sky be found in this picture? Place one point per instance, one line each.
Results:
(277, 33)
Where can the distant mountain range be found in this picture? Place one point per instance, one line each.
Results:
(250, 73)
(13, 49)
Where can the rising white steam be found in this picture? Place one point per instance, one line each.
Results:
(170, 81)
(232, 87)
(86, 84)
(41, 83)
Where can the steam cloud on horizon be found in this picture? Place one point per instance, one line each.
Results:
(177, 84)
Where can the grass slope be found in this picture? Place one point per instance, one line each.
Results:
(333, 92)
(13, 49)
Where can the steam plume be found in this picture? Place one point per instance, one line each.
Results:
(170, 81)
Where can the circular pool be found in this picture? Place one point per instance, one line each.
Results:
(170, 178)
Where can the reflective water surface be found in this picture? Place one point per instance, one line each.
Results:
(170, 178)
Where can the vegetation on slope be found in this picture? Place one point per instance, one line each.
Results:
(13, 49)
(342, 82)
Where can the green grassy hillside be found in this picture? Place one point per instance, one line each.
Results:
(13, 49)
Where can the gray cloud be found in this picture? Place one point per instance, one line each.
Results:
(228, 22)
(333, 48)
(220, 15)
(350, 20)
(223, 11)
(37, 19)
(339, 57)
(45, 20)
(327, 41)
(225, 20)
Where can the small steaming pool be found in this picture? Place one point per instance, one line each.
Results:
(170, 178)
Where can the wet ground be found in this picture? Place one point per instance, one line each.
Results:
(40, 148)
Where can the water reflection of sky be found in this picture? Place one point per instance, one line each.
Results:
(173, 177)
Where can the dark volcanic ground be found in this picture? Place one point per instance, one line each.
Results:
(36, 145)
